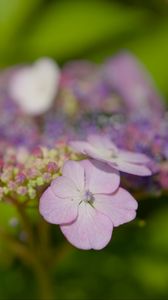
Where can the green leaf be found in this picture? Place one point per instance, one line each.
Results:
(13, 15)
(68, 29)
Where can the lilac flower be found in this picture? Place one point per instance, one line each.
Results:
(130, 80)
(102, 149)
(56, 126)
(85, 87)
(145, 135)
(34, 87)
(87, 202)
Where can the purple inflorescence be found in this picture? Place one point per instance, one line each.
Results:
(117, 99)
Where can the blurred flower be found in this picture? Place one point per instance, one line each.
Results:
(87, 203)
(145, 135)
(119, 85)
(84, 88)
(101, 148)
(56, 126)
(34, 87)
(129, 79)
(22, 132)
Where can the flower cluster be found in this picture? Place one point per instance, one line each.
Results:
(72, 134)
(24, 174)
(87, 200)
(121, 84)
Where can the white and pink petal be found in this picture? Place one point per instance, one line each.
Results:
(75, 172)
(132, 157)
(120, 207)
(101, 142)
(91, 229)
(57, 210)
(99, 177)
(64, 187)
(130, 168)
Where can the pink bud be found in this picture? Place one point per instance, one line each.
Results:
(52, 167)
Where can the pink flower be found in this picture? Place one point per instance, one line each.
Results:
(87, 202)
(101, 148)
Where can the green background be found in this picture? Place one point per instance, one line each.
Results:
(135, 264)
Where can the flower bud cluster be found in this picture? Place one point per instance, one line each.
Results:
(24, 174)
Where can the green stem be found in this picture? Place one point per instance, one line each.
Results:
(45, 286)
(44, 242)
(39, 262)
(26, 225)
(32, 253)
(31, 259)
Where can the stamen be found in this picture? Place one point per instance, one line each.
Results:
(88, 197)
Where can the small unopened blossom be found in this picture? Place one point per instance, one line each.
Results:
(47, 176)
(12, 185)
(20, 178)
(87, 202)
(101, 148)
(52, 167)
(34, 87)
(32, 192)
(22, 190)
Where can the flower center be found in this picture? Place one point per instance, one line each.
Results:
(88, 197)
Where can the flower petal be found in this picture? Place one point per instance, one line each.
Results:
(57, 210)
(74, 171)
(101, 142)
(86, 148)
(120, 164)
(119, 207)
(99, 148)
(91, 229)
(131, 168)
(97, 154)
(64, 187)
(100, 178)
(129, 156)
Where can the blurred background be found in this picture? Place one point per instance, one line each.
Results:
(135, 264)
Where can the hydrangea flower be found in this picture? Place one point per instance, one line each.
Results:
(129, 78)
(102, 149)
(84, 88)
(87, 202)
(34, 87)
